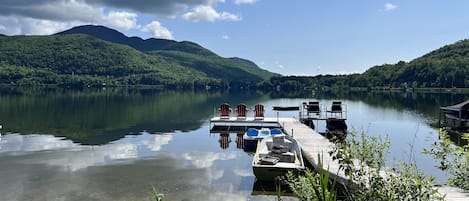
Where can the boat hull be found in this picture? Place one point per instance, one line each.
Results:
(286, 108)
(270, 173)
(271, 162)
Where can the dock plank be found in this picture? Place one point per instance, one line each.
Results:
(313, 145)
(453, 193)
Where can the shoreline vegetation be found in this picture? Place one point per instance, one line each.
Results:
(227, 87)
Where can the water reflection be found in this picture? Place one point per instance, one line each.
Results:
(124, 169)
(30, 143)
(206, 159)
(75, 145)
(239, 141)
(224, 140)
(95, 117)
(72, 156)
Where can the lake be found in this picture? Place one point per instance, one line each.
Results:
(116, 144)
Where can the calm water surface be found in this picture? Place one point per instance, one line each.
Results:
(117, 144)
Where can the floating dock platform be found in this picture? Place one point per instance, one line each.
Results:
(234, 124)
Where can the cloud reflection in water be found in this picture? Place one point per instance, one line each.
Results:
(31, 143)
(75, 172)
(206, 159)
(56, 151)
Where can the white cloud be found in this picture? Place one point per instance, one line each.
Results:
(123, 20)
(245, 1)
(157, 30)
(30, 26)
(39, 17)
(160, 8)
(54, 10)
(225, 37)
(208, 13)
(389, 7)
(230, 17)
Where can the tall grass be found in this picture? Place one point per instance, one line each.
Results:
(314, 186)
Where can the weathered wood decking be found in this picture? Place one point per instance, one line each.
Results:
(313, 144)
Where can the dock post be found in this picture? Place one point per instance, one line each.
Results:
(292, 132)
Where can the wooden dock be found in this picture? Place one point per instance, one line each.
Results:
(453, 194)
(313, 144)
(234, 124)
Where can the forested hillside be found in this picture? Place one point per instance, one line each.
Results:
(79, 60)
(446, 67)
(236, 71)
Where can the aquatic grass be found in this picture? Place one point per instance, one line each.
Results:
(325, 192)
(278, 188)
(157, 196)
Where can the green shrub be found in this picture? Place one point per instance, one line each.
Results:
(313, 186)
(363, 160)
(453, 159)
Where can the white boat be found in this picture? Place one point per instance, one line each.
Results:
(252, 136)
(275, 156)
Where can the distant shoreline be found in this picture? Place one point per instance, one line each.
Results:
(431, 90)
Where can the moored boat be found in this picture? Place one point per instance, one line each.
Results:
(285, 108)
(253, 135)
(275, 156)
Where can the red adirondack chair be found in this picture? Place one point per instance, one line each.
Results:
(225, 111)
(259, 112)
(241, 111)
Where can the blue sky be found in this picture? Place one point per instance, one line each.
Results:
(298, 37)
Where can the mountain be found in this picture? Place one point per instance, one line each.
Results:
(93, 55)
(186, 53)
(80, 60)
(114, 36)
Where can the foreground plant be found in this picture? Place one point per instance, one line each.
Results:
(313, 186)
(363, 160)
(157, 196)
(453, 159)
